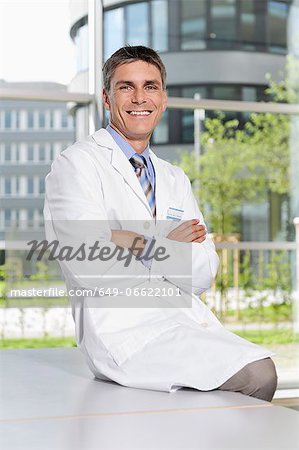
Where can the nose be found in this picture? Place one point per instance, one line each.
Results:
(138, 96)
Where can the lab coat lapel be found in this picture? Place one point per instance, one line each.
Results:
(121, 163)
(164, 184)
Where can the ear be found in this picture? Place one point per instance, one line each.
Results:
(106, 101)
(164, 104)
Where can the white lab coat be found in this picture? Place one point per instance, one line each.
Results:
(150, 347)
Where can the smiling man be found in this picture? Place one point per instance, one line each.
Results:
(136, 99)
(112, 188)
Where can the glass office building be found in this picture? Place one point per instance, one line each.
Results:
(221, 49)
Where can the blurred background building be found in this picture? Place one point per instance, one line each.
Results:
(221, 49)
(33, 133)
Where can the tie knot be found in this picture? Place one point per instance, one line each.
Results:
(137, 161)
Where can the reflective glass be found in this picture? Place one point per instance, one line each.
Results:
(41, 186)
(42, 152)
(137, 20)
(160, 25)
(114, 31)
(17, 124)
(7, 120)
(64, 119)
(223, 23)
(278, 13)
(161, 132)
(41, 119)
(81, 44)
(7, 185)
(30, 152)
(30, 119)
(7, 154)
(248, 25)
(193, 25)
(30, 185)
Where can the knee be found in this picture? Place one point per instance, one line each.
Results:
(263, 379)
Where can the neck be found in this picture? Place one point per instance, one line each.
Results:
(139, 145)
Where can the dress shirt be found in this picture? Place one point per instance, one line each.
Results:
(128, 150)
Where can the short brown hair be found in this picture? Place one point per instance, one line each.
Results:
(129, 54)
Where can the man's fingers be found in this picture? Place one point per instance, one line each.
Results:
(195, 229)
(186, 225)
(199, 236)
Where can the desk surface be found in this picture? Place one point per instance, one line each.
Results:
(50, 400)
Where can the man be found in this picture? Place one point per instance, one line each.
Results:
(113, 177)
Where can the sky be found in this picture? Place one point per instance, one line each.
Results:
(35, 44)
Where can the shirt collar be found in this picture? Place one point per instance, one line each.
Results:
(126, 147)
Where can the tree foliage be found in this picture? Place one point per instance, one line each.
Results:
(240, 165)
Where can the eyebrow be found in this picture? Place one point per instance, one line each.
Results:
(131, 83)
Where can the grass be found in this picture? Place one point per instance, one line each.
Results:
(268, 337)
(272, 313)
(46, 342)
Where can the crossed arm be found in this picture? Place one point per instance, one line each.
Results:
(189, 231)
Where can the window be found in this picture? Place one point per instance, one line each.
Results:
(17, 119)
(81, 41)
(278, 12)
(7, 217)
(51, 119)
(17, 185)
(64, 119)
(114, 31)
(40, 216)
(137, 24)
(41, 119)
(30, 119)
(193, 25)
(17, 154)
(248, 29)
(7, 119)
(41, 186)
(30, 217)
(159, 25)
(30, 185)
(7, 185)
(30, 152)
(7, 153)
(161, 132)
(223, 23)
(52, 152)
(41, 152)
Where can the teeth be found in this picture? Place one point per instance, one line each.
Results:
(140, 113)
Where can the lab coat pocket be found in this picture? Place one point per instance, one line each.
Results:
(124, 344)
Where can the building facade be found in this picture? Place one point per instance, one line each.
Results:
(33, 133)
(221, 49)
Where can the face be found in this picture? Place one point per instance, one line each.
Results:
(136, 99)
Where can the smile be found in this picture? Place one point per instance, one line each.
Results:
(139, 113)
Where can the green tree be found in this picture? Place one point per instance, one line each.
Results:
(244, 165)
(228, 175)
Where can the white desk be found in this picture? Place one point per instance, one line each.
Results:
(50, 400)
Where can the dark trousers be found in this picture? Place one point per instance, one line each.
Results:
(257, 379)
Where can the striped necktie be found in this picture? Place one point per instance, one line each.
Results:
(139, 164)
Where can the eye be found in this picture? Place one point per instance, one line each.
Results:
(151, 87)
(125, 88)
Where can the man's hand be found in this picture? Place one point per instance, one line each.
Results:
(189, 231)
(126, 239)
